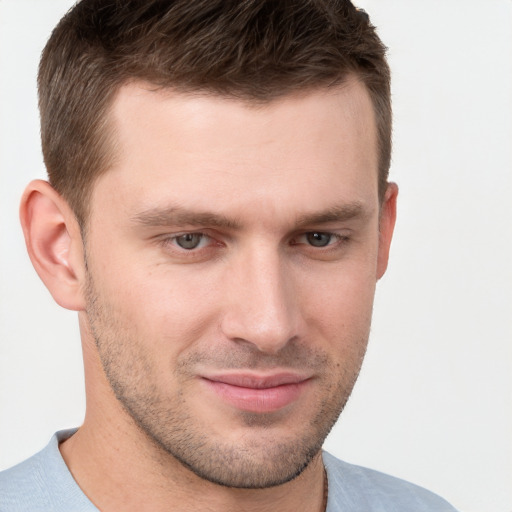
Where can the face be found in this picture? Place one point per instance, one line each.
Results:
(232, 256)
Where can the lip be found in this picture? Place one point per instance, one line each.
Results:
(257, 393)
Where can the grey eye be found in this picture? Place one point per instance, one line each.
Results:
(189, 240)
(317, 239)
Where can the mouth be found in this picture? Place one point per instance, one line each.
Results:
(258, 393)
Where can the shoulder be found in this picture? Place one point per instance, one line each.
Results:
(23, 484)
(361, 489)
(42, 483)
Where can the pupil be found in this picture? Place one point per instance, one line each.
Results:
(189, 240)
(318, 239)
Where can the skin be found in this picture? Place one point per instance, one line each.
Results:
(282, 202)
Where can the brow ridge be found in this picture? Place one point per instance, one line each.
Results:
(161, 217)
(176, 215)
(338, 213)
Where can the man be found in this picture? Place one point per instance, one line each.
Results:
(218, 212)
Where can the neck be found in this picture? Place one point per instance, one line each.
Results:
(104, 461)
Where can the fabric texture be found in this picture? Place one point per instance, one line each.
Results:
(357, 489)
(43, 483)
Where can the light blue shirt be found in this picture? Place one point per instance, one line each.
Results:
(43, 483)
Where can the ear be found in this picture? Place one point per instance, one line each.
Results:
(386, 227)
(54, 243)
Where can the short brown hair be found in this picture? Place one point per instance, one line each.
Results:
(255, 50)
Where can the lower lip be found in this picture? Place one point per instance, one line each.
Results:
(257, 400)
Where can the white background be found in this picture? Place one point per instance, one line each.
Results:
(433, 404)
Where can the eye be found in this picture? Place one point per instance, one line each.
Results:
(190, 241)
(318, 239)
(325, 240)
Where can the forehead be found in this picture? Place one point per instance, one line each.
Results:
(197, 149)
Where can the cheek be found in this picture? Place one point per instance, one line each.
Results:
(167, 310)
(340, 306)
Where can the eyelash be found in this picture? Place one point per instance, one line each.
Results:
(206, 243)
(335, 241)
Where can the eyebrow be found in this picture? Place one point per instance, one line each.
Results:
(338, 213)
(178, 216)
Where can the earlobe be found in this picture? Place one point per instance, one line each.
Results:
(386, 227)
(54, 243)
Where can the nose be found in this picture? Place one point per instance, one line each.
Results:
(261, 305)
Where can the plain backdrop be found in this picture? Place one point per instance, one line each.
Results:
(433, 403)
